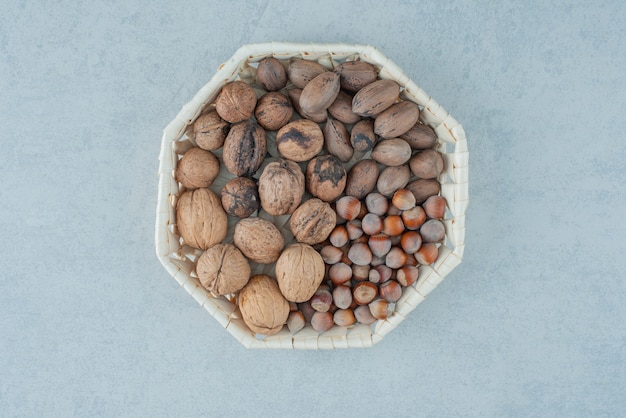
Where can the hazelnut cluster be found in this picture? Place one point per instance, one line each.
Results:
(356, 177)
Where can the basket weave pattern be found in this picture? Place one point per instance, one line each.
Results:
(179, 259)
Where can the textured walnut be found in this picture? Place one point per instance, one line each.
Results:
(313, 221)
(300, 140)
(325, 177)
(271, 75)
(299, 272)
(259, 240)
(210, 130)
(273, 111)
(262, 306)
(198, 168)
(236, 102)
(240, 197)
(200, 218)
(222, 269)
(244, 149)
(281, 187)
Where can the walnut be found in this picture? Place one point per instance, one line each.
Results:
(240, 197)
(300, 140)
(273, 111)
(244, 149)
(263, 307)
(313, 221)
(258, 239)
(281, 187)
(222, 269)
(200, 218)
(198, 168)
(210, 130)
(236, 102)
(299, 272)
(325, 177)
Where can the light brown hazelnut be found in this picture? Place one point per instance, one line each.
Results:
(427, 254)
(325, 177)
(271, 74)
(403, 199)
(209, 131)
(362, 179)
(281, 187)
(363, 315)
(300, 140)
(340, 273)
(384, 273)
(244, 149)
(295, 321)
(376, 203)
(348, 207)
(331, 254)
(435, 207)
(380, 244)
(392, 225)
(259, 240)
(342, 296)
(413, 218)
(236, 102)
(273, 111)
(322, 321)
(322, 299)
(395, 258)
(197, 168)
(372, 224)
(407, 275)
(354, 229)
(380, 309)
(364, 292)
(222, 269)
(312, 222)
(391, 291)
(200, 218)
(411, 241)
(299, 272)
(344, 317)
(263, 308)
(433, 230)
(360, 272)
(240, 197)
(339, 236)
(360, 254)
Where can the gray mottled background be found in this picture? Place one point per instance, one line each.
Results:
(532, 322)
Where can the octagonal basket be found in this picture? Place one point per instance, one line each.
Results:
(179, 259)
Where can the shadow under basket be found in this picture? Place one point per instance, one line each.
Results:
(179, 259)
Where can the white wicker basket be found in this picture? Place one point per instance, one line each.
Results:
(179, 259)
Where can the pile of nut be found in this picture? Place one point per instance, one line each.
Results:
(356, 174)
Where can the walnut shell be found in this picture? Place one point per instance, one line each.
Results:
(258, 239)
(375, 97)
(301, 72)
(392, 179)
(271, 75)
(281, 187)
(198, 168)
(273, 111)
(300, 140)
(299, 272)
(244, 149)
(325, 177)
(392, 152)
(263, 308)
(362, 179)
(240, 197)
(397, 120)
(313, 221)
(200, 218)
(236, 102)
(420, 136)
(337, 140)
(320, 93)
(223, 269)
(210, 130)
(356, 74)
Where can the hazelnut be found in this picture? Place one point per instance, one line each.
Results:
(376, 203)
(403, 199)
(331, 254)
(240, 197)
(295, 321)
(380, 244)
(342, 296)
(325, 177)
(198, 168)
(391, 291)
(258, 239)
(322, 321)
(432, 231)
(380, 309)
(209, 131)
(427, 254)
(435, 207)
(372, 224)
(364, 292)
(263, 307)
(363, 315)
(244, 149)
(340, 273)
(344, 317)
(348, 207)
(354, 229)
(407, 275)
(411, 241)
(236, 102)
(362, 178)
(321, 299)
(360, 272)
(281, 187)
(384, 273)
(413, 218)
(300, 140)
(271, 75)
(222, 269)
(273, 111)
(312, 222)
(339, 236)
(392, 225)
(299, 272)
(200, 218)
(395, 258)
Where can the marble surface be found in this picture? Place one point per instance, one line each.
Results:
(531, 324)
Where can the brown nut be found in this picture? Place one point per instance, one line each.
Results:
(325, 177)
(331, 254)
(413, 218)
(420, 136)
(301, 72)
(339, 236)
(407, 275)
(258, 239)
(340, 273)
(360, 254)
(341, 109)
(273, 111)
(294, 96)
(427, 164)
(354, 75)
(299, 272)
(396, 120)
(392, 179)
(281, 187)
(344, 317)
(342, 296)
(403, 199)
(271, 75)
(433, 230)
(375, 97)
(380, 244)
(422, 189)
(363, 315)
(337, 140)
(376, 203)
(427, 254)
(354, 228)
(360, 272)
(236, 102)
(320, 93)
(295, 321)
(392, 152)
(435, 207)
(263, 308)
(364, 292)
(244, 149)
(362, 136)
(198, 168)
(200, 218)
(312, 222)
(209, 131)
(362, 179)
(395, 258)
(322, 321)
(411, 241)
(300, 140)
(348, 207)
(372, 224)
(240, 197)
(223, 269)
(380, 309)
(393, 225)
(391, 291)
